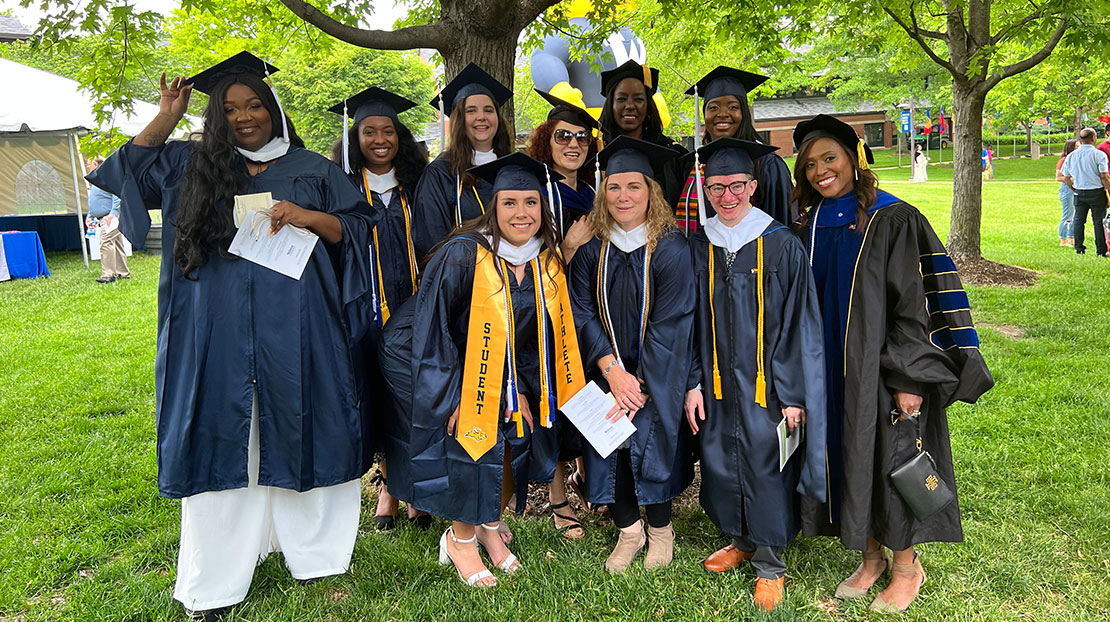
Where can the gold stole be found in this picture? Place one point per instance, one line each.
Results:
(490, 332)
(760, 372)
(382, 302)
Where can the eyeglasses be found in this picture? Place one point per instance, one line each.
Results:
(737, 188)
(562, 137)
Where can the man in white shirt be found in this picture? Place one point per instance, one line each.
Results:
(1085, 172)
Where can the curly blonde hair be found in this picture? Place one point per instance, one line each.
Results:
(660, 216)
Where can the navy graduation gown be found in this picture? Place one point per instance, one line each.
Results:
(422, 354)
(434, 214)
(910, 330)
(661, 444)
(396, 279)
(742, 490)
(237, 326)
(570, 204)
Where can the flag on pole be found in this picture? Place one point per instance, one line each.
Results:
(940, 120)
(928, 123)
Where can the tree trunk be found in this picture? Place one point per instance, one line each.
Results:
(1029, 135)
(967, 182)
(1077, 121)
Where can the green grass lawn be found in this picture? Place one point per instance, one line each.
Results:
(84, 536)
(1005, 169)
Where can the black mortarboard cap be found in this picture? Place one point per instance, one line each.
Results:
(472, 80)
(731, 156)
(825, 126)
(515, 171)
(373, 102)
(242, 63)
(726, 81)
(566, 111)
(627, 155)
(631, 69)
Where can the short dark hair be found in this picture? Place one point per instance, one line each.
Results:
(1107, 129)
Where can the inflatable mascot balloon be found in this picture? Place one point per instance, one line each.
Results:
(574, 81)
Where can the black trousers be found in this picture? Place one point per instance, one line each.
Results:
(625, 509)
(1093, 201)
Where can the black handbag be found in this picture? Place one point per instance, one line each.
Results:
(917, 480)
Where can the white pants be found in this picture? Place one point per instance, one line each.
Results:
(225, 534)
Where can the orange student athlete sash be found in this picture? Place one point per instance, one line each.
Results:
(490, 332)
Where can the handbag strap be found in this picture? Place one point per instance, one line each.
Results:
(897, 415)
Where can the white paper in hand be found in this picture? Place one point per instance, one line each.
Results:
(587, 409)
(788, 444)
(286, 251)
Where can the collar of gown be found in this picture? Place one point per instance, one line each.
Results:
(268, 152)
(628, 241)
(733, 238)
(380, 183)
(517, 255)
(484, 157)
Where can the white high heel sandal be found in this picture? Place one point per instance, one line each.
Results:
(507, 563)
(445, 559)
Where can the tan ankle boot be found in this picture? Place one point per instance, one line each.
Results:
(629, 544)
(660, 547)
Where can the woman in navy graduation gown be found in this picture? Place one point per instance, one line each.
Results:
(565, 142)
(384, 162)
(759, 364)
(629, 110)
(725, 112)
(470, 360)
(633, 304)
(899, 345)
(257, 416)
(448, 195)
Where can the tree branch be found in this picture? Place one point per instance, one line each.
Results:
(932, 34)
(914, 34)
(411, 37)
(1005, 32)
(1032, 61)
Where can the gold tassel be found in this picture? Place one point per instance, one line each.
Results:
(647, 76)
(760, 374)
(861, 155)
(713, 331)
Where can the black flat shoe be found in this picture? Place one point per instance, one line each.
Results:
(423, 522)
(385, 522)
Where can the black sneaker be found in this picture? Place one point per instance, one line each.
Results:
(106, 279)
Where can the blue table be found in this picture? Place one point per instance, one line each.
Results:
(24, 255)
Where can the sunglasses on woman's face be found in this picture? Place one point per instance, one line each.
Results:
(562, 137)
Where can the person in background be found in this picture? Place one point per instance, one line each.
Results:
(104, 215)
(1104, 146)
(1067, 197)
(1085, 172)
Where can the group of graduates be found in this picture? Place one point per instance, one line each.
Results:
(453, 307)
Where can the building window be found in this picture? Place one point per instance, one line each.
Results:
(873, 134)
(39, 189)
(764, 136)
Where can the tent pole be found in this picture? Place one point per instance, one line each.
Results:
(77, 197)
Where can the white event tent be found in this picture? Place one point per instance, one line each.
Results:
(41, 117)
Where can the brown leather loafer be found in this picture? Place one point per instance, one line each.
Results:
(768, 592)
(728, 558)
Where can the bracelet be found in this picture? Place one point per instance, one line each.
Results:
(605, 372)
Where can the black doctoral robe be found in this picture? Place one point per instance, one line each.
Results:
(435, 215)
(896, 319)
(235, 327)
(660, 447)
(422, 354)
(742, 490)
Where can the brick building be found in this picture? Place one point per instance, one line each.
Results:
(775, 119)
